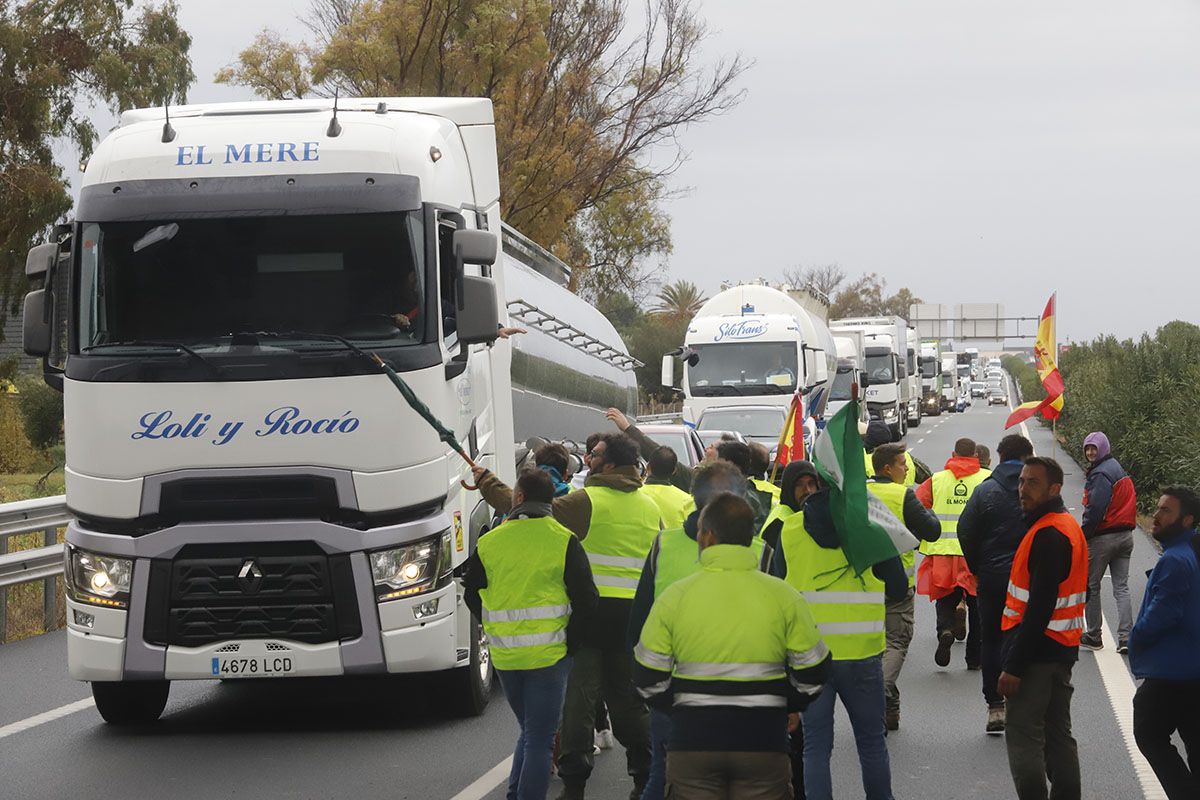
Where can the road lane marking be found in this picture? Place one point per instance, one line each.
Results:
(488, 781)
(46, 716)
(1119, 686)
(921, 441)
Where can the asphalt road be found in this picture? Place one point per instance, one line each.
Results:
(386, 738)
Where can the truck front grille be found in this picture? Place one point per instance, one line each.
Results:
(290, 591)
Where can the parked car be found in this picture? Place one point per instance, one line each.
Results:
(997, 395)
(712, 437)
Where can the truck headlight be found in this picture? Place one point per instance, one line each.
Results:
(411, 569)
(889, 413)
(97, 579)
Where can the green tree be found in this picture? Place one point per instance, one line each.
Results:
(867, 297)
(57, 57)
(680, 300)
(581, 104)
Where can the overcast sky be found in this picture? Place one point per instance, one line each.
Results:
(982, 151)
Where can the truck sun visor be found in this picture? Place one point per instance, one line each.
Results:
(244, 196)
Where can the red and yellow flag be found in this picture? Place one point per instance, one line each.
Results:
(1045, 351)
(791, 440)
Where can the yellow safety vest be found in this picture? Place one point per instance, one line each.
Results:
(525, 604)
(619, 538)
(892, 494)
(910, 475)
(849, 610)
(677, 556)
(766, 487)
(674, 504)
(781, 511)
(728, 635)
(950, 495)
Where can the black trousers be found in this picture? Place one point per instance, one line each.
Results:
(1160, 708)
(993, 589)
(945, 620)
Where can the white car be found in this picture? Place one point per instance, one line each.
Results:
(997, 395)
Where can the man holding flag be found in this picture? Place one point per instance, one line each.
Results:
(1045, 349)
(842, 551)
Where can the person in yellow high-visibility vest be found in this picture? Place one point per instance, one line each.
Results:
(760, 465)
(673, 503)
(530, 584)
(943, 575)
(675, 556)
(888, 486)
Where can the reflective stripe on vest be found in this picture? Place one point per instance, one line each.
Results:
(622, 529)
(849, 610)
(950, 495)
(525, 604)
(1066, 621)
(892, 494)
(673, 503)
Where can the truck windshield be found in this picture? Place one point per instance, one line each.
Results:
(879, 368)
(743, 368)
(929, 368)
(754, 423)
(842, 382)
(199, 281)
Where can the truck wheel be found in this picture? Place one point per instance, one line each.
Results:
(130, 702)
(470, 687)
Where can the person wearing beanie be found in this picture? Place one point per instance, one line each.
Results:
(1109, 517)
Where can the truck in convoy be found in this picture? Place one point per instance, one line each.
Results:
(851, 360)
(886, 349)
(746, 352)
(253, 498)
(949, 380)
(931, 376)
(915, 409)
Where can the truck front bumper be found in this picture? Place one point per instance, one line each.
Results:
(423, 632)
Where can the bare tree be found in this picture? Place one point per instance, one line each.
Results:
(823, 281)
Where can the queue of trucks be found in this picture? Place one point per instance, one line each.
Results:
(252, 496)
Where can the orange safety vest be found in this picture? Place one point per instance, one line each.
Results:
(1066, 623)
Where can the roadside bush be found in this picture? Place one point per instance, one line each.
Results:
(41, 411)
(1143, 395)
(9, 367)
(16, 453)
(1026, 377)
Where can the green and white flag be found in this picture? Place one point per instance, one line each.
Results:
(869, 531)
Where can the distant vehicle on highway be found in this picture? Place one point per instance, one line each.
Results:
(978, 389)
(997, 395)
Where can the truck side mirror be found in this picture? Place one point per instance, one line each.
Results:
(668, 370)
(35, 334)
(479, 319)
(475, 247)
(40, 260)
(863, 380)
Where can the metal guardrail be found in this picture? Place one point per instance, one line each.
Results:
(44, 515)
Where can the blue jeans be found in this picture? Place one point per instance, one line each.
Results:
(660, 731)
(536, 697)
(860, 686)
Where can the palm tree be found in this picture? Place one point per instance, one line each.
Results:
(681, 299)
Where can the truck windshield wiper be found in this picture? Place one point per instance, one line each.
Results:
(178, 347)
(313, 337)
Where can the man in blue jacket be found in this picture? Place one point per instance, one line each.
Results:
(1164, 649)
(990, 530)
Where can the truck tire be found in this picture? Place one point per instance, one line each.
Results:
(470, 687)
(130, 702)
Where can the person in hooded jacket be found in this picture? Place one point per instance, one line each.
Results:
(789, 500)
(554, 460)
(1109, 517)
(990, 530)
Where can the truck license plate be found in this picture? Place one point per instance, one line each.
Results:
(259, 667)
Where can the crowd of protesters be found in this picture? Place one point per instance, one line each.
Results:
(712, 617)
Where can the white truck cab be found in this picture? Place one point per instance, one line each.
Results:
(253, 497)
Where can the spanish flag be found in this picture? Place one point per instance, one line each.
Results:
(1045, 349)
(791, 440)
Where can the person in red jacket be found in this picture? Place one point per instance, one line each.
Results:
(1109, 517)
